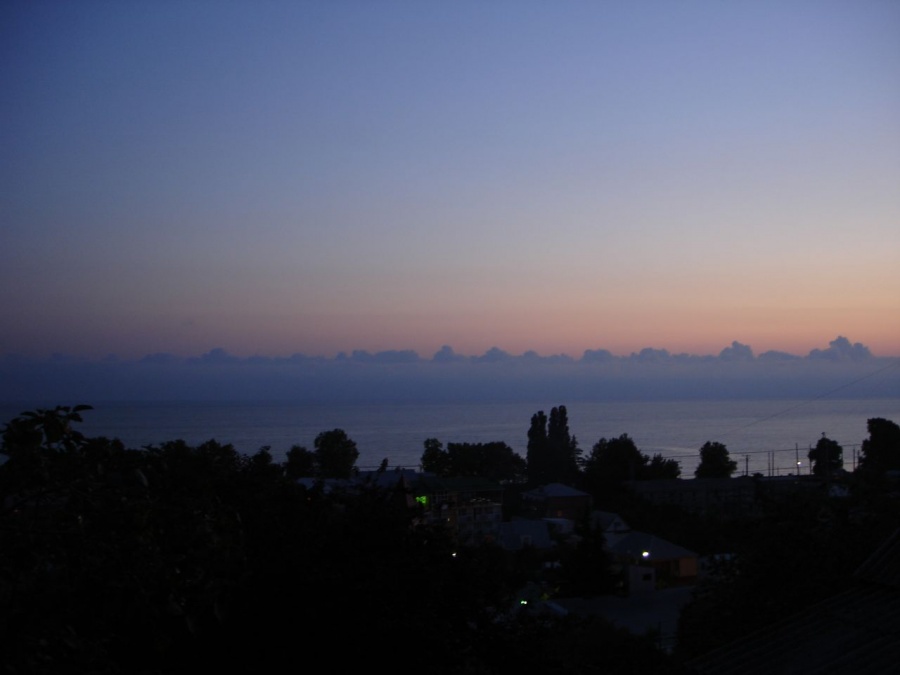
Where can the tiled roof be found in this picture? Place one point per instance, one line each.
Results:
(554, 490)
(510, 534)
(606, 519)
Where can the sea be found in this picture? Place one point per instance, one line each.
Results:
(771, 437)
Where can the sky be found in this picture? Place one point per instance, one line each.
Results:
(274, 178)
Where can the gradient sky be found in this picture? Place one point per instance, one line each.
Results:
(315, 177)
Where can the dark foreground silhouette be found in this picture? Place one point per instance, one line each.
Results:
(190, 559)
(178, 558)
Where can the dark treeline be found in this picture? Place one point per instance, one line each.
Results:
(554, 455)
(176, 558)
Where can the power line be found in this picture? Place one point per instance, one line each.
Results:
(815, 398)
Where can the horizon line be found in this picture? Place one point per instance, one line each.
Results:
(839, 349)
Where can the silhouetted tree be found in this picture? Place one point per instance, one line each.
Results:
(880, 452)
(115, 560)
(827, 457)
(553, 455)
(564, 454)
(495, 461)
(715, 461)
(434, 458)
(615, 460)
(660, 468)
(262, 462)
(336, 454)
(586, 565)
(540, 466)
(35, 435)
(300, 462)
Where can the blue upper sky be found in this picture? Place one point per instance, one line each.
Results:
(316, 177)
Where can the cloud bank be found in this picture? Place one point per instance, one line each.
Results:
(842, 370)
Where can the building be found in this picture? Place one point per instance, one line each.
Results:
(651, 562)
(521, 533)
(472, 507)
(724, 497)
(556, 500)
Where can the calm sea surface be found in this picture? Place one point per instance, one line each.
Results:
(763, 436)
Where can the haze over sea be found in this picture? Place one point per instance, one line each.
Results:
(768, 410)
(765, 436)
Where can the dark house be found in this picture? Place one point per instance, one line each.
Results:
(721, 497)
(472, 507)
(652, 562)
(521, 533)
(737, 497)
(556, 500)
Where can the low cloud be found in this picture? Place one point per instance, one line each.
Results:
(214, 356)
(840, 349)
(736, 352)
(446, 355)
(403, 376)
(648, 355)
(777, 356)
(597, 356)
(494, 355)
(390, 356)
